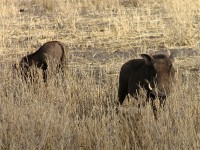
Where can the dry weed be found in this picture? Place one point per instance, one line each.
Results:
(80, 112)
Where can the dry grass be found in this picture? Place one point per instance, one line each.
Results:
(101, 35)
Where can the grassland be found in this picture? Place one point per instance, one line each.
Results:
(101, 35)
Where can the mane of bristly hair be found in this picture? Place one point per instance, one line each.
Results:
(160, 56)
(164, 54)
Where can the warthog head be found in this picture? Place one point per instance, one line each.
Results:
(162, 74)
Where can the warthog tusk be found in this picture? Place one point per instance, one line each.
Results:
(149, 85)
(150, 88)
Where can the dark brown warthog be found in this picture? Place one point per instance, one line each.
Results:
(51, 53)
(153, 73)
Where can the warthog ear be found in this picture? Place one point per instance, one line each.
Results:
(171, 57)
(149, 60)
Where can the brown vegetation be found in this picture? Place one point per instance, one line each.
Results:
(101, 36)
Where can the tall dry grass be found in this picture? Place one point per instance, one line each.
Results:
(80, 112)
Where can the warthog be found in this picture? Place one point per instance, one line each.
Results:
(51, 53)
(155, 74)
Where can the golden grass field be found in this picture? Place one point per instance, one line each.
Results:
(101, 35)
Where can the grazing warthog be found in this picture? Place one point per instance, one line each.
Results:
(154, 73)
(52, 53)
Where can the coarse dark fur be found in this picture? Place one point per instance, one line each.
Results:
(153, 73)
(52, 53)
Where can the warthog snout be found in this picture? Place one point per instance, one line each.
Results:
(157, 92)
